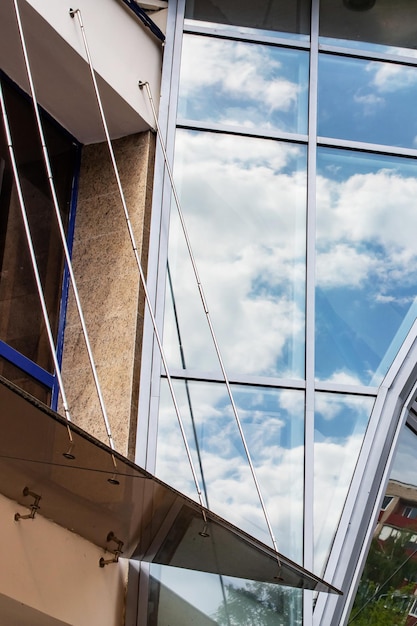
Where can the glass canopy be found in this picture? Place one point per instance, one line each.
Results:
(86, 487)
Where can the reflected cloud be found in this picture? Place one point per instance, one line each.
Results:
(275, 438)
(367, 214)
(234, 82)
(391, 78)
(250, 249)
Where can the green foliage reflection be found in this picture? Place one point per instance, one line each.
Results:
(260, 604)
(386, 590)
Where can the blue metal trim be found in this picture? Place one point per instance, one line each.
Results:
(66, 277)
(26, 365)
(145, 19)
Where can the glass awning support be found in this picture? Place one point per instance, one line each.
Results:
(154, 522)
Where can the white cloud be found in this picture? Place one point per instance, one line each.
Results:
(389, 77)
(237, 70)
(366, 228)
(249, 242)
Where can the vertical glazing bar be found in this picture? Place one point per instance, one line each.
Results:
(33, 256)
(77, 12)
(60, 225)
(310, 310)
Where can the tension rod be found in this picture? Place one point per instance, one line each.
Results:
(207, 313)
(60, 224)
(77, 12)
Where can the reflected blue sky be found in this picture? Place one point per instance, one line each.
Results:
(273, 424)
(367, 101)
(366, 281)
(243, 84)
(340, 423)
(244, 204)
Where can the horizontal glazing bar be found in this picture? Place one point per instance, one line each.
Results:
(26, 365)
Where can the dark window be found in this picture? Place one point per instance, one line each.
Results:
(386, 502)
(410, 512)
(22, 326)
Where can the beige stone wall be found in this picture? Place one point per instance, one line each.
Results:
(109, 287)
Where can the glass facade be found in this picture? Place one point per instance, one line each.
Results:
(295, 164)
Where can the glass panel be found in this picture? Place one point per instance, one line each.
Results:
(366, 255)
(243, 84)
(24, 381)
(339, 426)
(292, 16)
(367, 101)
(387, 591)
(21, 320)
(244, 205)
(273, 424)
(390, 23)
(180, 598)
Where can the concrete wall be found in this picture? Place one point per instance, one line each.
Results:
(109, 287)
(51, 577)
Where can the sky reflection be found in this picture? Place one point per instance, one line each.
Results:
(244, 204)
(366, 256)
(340, 423)
(367, 101)
(243, 84)
(273, 424)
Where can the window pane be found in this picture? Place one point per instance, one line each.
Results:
(367, 101)
(339, 427)
(179, 597)
(273, 425)
(24, 381)
(277, 15)
(243, 84)
(366, 255)
(244, 204)
(21, 319)
(390, 23)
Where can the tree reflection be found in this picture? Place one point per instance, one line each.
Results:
(386, 590)
(260, 604)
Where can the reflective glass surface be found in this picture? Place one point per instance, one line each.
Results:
(366, 255)
(265, 15)
(244, 205)
(21, 320)
(273, 425)
(24, 381)
(183, 597)
(387, 591)
(373, 23)
(340, 423)
(367, 101)
(243, 84)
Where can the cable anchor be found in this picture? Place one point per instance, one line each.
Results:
(117, 552)
(34, 507)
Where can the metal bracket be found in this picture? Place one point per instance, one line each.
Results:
(34, 507)
(117, 552)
